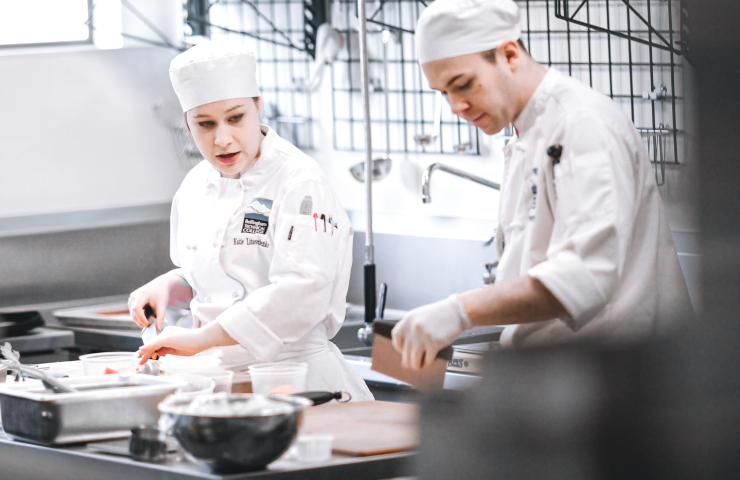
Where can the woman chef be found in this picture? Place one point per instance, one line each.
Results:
(262, 242)
(586, 254)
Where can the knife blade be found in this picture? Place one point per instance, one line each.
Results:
(149, 333)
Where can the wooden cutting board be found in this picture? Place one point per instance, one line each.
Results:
(365, 428)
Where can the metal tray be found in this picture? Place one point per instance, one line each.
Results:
(114, 316)
(107, 406)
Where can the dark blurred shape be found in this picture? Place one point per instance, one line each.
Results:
(667, 408)
(197, 11)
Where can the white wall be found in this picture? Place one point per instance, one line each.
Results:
(78, 131)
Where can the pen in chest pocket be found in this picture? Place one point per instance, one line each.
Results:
(315, 221)
(323, 217)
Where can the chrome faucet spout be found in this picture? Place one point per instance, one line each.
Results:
(426, 177)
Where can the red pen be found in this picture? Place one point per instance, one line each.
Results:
(315, 222)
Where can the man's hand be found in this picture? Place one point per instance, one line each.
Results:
(426, 330)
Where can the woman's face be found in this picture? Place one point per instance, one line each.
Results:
(227, 133)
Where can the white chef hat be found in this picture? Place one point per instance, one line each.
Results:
(450, 28)
(213, 71)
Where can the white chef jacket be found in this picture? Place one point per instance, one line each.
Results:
(591, 228)
(268, 256)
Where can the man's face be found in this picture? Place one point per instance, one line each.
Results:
(481, 92)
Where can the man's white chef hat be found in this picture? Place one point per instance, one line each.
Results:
(450, 28)
(213, 71)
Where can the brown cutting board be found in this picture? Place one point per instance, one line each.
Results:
(365, 428)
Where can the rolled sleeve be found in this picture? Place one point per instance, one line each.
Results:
(568, 278)
(248, 330)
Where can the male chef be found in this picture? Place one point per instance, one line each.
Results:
(586, 253)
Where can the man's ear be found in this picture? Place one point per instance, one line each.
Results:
(511, 52)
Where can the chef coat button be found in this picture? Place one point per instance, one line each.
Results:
(194, 247)
(215, 244)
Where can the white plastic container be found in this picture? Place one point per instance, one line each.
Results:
(221, 378)
(114, 362)
(284, 378)
(176, 364)
(314, 448)
(197, 385)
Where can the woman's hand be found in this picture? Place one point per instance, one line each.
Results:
(157, 294)
(185, 341)
(174, 340)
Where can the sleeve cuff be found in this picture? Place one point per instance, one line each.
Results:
(568, 279)
(250, 333)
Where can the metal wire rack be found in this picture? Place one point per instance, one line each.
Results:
(615, 46)
(412, 104)
(276, 30)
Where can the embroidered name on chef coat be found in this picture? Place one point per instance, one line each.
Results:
(257, 216)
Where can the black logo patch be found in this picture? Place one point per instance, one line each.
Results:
(255, 223)
(257, 216)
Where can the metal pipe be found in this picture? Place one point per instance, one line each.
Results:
(427, 176)
(369, 248)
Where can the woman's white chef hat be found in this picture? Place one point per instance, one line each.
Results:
(213, 71)
(450, 28)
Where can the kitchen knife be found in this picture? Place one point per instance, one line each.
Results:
(387, 360)
(149, 333)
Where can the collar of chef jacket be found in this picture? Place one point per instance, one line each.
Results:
(537, 103)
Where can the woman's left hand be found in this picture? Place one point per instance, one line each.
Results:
(185, 341)
(174, 340)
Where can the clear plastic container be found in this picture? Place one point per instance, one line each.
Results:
(314, 448)
(109, 362)
(197, 385)
(283, 378)
(222, 378)
(176, 364)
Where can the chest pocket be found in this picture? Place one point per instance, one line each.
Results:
(313, 249)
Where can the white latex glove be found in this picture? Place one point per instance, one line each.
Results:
(426, 330)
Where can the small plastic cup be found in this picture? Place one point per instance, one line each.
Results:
(284, 378)
(222, 378)
(109, 362)
(197, 385)
(314, 448)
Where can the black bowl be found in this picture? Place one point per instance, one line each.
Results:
(236, 443)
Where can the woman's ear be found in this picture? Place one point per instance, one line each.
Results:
(185, 119)
(259, 105)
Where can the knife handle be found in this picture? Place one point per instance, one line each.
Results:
(149, 313)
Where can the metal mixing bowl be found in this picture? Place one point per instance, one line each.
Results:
(235, 443)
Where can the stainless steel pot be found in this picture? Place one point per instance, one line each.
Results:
(235, 443)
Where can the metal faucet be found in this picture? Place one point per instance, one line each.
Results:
(427, 176)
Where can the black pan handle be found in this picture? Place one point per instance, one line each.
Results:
(323, 397)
